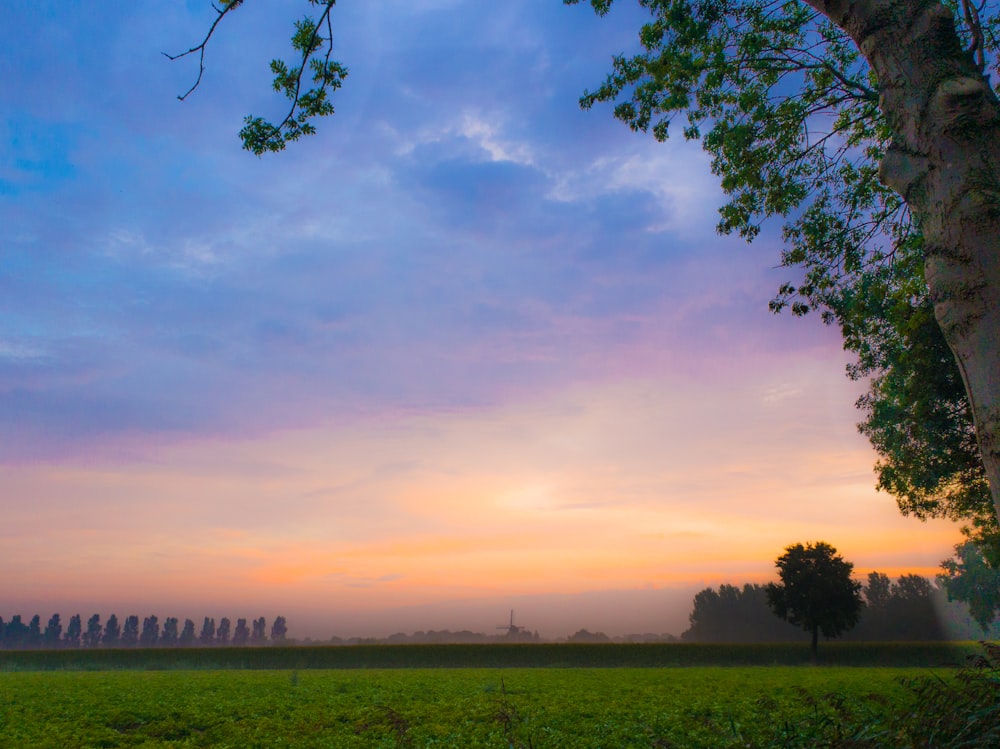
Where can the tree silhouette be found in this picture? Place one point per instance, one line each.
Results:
(732, 614)
(903, 610)
(16, 632)
(170, 634)
(130, 631)
(207, 636)
(73, 632)
(150, 632)
(259, 634)
(112, 632)
(187, 636)
(34, 631)
(92, 635)
(970, 579)
(53, 632)
(816, 591)
(279, 629)
(241, 634)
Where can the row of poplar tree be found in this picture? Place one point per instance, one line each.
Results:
(15, 634)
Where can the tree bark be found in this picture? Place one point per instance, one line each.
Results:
(945, 163)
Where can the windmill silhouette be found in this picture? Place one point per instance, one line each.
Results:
(512, 629)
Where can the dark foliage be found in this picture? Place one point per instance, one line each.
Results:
(901, 610)
(16, 635)
(816, 591)
(970, 578)
(957, 710)
(894, 611)
(734, 614)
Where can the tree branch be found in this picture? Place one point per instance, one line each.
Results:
(200, 49)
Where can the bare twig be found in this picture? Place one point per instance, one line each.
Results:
(200, 49)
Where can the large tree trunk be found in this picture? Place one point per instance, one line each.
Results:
(945, 162)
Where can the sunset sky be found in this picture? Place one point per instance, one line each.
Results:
(467, 349)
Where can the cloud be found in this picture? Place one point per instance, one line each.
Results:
(21, 352)
(363, 582)
(676, 174)
(482, 131)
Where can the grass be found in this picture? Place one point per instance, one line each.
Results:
(468, 708)
(380, 697)
(546, 655)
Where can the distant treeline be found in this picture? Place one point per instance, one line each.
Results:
(894, 611)
(431, 637)
(466, 637)
(16, 635)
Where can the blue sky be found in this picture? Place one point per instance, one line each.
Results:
(465, 306)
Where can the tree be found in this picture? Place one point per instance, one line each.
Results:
(816, 591)
(870, 128)
(92, 636)
(903, 610)
(73, 632)
(170, 634)
(258, 634)
(222, 633)
(279, 629)
(187, 637)
(112, 632)
(586, 636)
(34, 632)
(207, 636)
(53, 632)
(259, 135)
(916, 416)
(150, 635)
(130, 631)
(968, 578)
(241, 634)
(732, 614)
(878, 592)
(15, 633)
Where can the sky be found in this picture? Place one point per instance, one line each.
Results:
(466, 350)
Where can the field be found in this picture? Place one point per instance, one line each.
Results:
(501, 707)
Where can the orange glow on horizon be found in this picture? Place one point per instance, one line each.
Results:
(619, 486)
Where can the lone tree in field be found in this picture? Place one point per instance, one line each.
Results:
(816, 591)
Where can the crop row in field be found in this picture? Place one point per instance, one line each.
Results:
(644, 655)
(463, 708)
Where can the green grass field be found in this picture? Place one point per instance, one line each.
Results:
(462, 708)
(543, 655)
(144, 702)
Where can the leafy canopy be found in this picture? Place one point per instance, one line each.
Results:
(312, 43)
(816, 591)
(968, 578)
(788, 110)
